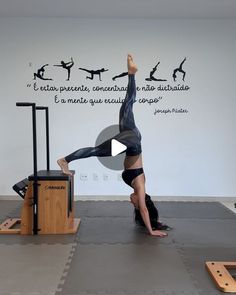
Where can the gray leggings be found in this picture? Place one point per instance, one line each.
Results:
(129, 134)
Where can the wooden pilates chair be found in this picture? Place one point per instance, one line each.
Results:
(48, 206)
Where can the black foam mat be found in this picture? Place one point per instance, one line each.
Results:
(117, 230)
(193, 210)
(103, 208)
(112, 222)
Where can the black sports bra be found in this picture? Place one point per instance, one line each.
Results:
(135, 150)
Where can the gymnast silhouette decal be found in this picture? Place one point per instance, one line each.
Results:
(93, 73)
(179, 69)
(120, 76)
(67, 66)
(40, 73)
(151, 77)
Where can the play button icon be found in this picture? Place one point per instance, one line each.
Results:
(116, 160)
(117, 147)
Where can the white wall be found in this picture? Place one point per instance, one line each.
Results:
(190, 154)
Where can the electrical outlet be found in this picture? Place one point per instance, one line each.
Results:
(83, 176)
(119, 177)
(105, 177)
(95, 177)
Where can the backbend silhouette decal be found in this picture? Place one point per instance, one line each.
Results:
(179, 69)
(40, 73)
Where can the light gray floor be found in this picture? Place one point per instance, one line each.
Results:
(111, 255)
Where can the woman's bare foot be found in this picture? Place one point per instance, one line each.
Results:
(132, 68)
(64, 166)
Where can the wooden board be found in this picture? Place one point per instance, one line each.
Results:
(27, 212)
(74, 226)
(6, 226)
(223, 279)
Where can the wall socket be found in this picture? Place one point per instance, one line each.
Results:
(119, 177)
(105, 177)
(83, 176)
(95, 177)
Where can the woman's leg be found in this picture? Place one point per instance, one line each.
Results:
(126, 116)
(126, 123)
(102, 150)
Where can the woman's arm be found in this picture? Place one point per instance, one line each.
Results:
(145, 215)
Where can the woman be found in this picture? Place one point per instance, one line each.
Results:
(129, 135)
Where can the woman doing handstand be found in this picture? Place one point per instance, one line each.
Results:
(129, 135)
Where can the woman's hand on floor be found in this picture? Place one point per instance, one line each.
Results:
(158, 233)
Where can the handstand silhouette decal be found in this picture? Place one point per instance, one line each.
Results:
(67, 66)
(40, 73)
(151, 77)
(93, 73)
(179, 69)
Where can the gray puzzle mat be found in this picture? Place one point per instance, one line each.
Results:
(101, 219)
(115, 230)
(127, 269)
(195, 210)
(10, 209)
(37, 240)
(209, 232)
(97, 227)
(194, 259)
(114, 256)
(200, 210)
(185, 231)
(32, 269)
(103, 208)
(100, 236)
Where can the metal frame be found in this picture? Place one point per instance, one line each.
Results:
(35, 163)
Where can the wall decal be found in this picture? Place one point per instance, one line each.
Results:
(120, 76)
(179, 69)
(151, 94)
(151, 77)
(40, 73)
(94, 72)
(170, 111)
(67, 66)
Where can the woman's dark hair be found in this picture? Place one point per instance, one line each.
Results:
(153, 214)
